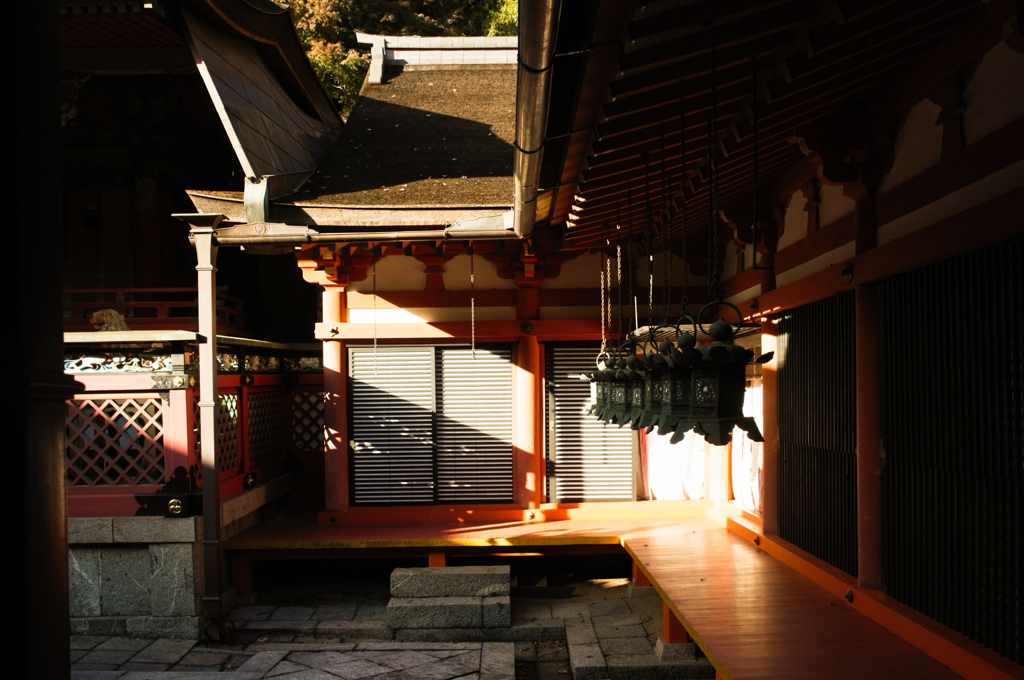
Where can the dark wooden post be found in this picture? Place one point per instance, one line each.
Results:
(869, 459)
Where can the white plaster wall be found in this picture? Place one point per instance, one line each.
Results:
(834, 205)
(394, 272)
(431, 314)
(995, 94)
(918, 145)
(485, 275)
(583, 271)
(795, 222)
(985, 189)
(831, 258)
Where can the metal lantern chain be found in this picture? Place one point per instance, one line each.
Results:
(714, 285)
(373, 267)
(472, 302)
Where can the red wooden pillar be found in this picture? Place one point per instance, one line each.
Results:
(869, 435)
(639, 577)
(672, 630)
(336, 492)
(529, 463)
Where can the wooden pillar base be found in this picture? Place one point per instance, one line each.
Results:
(672, 630)
(640, 579)
(437, 559)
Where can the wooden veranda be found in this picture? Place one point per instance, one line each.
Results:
(756, 606)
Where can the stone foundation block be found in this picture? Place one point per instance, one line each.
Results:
(434, 612)
(469, 581)
(497, 612)
(679, 651)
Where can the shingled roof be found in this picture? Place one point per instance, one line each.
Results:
(429, 144)
(424, 137)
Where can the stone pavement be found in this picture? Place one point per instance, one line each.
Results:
(604, 630)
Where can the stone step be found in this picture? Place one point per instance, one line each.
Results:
(449, 612)
(468, 581)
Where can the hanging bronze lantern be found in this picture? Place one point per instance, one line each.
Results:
(718, 384)
(676, 386)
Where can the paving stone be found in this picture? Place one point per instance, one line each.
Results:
(466, 581)
(587, 662)
(394, 659)
(609, 631)
(262, 662)
(636, 646)
(77, 654)
(148, 666)
(497, 661)
(373, 630)
(526, 651)
(355, 669)
(527, 670)
(435, 648)
(434, 612)
(570, 611)
(82, 666)
(236, 661)
(124, 643)
(531, 611)
(99, 626)
(371, 612)
(292, 614)
(300, 673)
(620, 620)
(181, 627)
(87, 641)
(204, 657)
(552, 650)
(580, 633)
(251, 613)
(335, 612)
(552, 670)
(293, 626)
(164, 650)
(609, 608)
(115, 657)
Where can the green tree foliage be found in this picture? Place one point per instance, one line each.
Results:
(327, 29)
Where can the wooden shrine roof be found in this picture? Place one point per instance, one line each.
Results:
(422, 138)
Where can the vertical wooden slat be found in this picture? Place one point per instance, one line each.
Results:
(952, 484)
(817, 429)
(593, 460)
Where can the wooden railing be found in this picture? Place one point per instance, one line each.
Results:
(136, 420)
(149, 308)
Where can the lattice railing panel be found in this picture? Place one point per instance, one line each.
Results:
(264, 424)
(229, 449)
(114, 441)
(308, 421)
